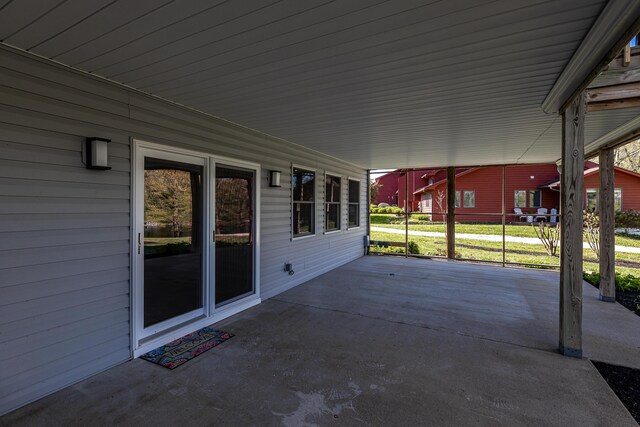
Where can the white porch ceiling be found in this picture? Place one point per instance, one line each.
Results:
(395, 83)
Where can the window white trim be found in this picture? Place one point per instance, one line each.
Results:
(360, 194)
(340, 204)
(531, 205)
(596, 191)
(149, 338)
(515, 198)
(315, 201)
(474, 199)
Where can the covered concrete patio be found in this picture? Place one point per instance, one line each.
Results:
(379, 341)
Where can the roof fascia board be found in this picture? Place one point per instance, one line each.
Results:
(617, 23)
(619, 136)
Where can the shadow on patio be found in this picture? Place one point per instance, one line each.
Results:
(379, 341)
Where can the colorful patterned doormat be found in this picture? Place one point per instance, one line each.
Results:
(186, 348)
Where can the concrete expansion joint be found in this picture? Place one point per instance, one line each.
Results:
(430, 328)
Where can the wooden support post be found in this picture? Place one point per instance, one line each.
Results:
(367, 237)
(406, 213)
(607, 228)
(572, 203)
(504, 216)
(451, 212)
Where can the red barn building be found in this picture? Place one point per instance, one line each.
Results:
(387, 188)
(528, 190)
(626, 184)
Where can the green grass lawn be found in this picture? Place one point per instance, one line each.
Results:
(379, 220)
(492, 251)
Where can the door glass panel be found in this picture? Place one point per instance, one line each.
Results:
(173, 204)
(234, 233)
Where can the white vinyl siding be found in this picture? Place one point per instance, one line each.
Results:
(65, 230)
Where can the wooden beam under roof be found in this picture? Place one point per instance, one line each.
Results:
(618, 73)
(614, 97)
(618, 86)
(614, 104)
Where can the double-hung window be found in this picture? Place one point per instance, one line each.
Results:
(332, 202)
(593, 200)
(303, 183)
(354, 203)
(535, 198)
(469, 199)
(465, 200)
(520, 199)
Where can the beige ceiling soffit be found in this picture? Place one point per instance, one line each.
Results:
(618, 22)
(619, 136)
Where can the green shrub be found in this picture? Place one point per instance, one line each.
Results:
(413, 247)
(628, 219)
(380, 219)
(624, 282)
(627, 282)
(421, 217)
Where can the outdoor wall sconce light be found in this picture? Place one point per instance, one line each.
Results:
(95, 153)
(274, 178)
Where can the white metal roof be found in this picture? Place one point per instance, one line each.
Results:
(396, 83)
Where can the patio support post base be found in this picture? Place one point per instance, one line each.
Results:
(571, 352)
(606, 298)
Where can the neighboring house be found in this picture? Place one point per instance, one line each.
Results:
(627, 189)
(527, 188)
(387, 188)
(479, 191)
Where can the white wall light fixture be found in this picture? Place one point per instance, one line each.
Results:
(96, 154)
(274, 178)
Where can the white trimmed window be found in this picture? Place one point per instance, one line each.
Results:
(333, 189)
(303, 183)
(469, 199)
(520, 199)
(354, 203)
(535, 198)
(593, 200)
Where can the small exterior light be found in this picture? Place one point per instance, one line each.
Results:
(96, 153)
(274, 178)
(532, 177)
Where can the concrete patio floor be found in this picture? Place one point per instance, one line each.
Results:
(379, 341)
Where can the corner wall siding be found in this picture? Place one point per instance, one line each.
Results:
(65, 230)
